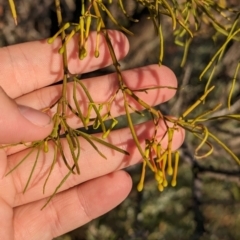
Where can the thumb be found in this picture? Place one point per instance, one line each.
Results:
(20, 123)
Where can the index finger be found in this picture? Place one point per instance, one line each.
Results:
(29, 66)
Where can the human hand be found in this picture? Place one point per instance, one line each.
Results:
(26, 71)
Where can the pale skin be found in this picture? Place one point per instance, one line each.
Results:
(26, 71)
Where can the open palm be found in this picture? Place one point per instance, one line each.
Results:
(26, 72)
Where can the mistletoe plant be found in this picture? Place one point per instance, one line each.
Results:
(187, 19)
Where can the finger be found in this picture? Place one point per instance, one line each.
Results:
(91, 164)
(72, 208)
(102, 88)
(21, 123)
(6, 213)
(30, 66)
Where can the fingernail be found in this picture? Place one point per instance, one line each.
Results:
(36, 117)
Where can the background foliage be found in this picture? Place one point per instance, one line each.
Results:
(205, 203)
